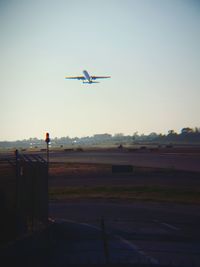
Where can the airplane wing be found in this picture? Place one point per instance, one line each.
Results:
(100, 77)
(75, 77)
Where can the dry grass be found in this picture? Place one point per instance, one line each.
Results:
(142, 193)
(74, 169)
(96, 181)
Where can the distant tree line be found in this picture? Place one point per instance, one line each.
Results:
(187, 135)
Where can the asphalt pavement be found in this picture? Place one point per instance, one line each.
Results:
(164, 232)
(67, 243)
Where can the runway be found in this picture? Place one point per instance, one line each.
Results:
(177, 161)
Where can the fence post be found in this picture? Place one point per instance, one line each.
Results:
(17, 166)
(105, 240)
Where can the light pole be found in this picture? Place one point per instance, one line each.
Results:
(47, 140)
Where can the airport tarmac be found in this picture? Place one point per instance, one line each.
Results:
(172, 159)
(179, 161)
(167, 233)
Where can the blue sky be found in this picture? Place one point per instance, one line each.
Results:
(149, 47)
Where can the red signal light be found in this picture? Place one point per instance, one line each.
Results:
(47, 139)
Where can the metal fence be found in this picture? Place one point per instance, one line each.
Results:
(23, 195)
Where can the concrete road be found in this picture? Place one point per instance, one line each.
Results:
(165, 232)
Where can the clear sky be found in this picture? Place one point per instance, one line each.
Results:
(151, 48)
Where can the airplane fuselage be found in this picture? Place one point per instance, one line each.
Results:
(88, 79)
(87, 76)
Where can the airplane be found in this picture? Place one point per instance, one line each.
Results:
(86, 78)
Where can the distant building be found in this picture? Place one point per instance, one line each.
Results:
(102, 136)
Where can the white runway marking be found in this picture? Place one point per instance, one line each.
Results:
(171, 226)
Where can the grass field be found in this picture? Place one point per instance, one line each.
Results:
(73, 181)
(141, 193)
(70, 181)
